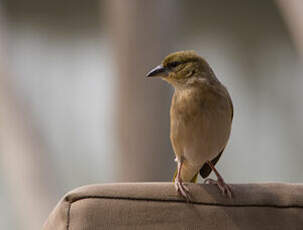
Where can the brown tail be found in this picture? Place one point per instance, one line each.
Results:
(206, 170)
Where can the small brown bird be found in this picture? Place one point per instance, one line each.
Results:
(201, 115)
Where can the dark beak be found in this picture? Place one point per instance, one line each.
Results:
(159, 71)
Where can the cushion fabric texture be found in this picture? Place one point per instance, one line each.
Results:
(158, 206)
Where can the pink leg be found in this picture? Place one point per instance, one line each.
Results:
(179, 185)
(225, 188)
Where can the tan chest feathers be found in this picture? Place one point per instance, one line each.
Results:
(200, 125)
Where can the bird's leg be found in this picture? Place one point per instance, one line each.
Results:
(225, 188)
(179, 185)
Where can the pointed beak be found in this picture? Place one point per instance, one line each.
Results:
(159, 71)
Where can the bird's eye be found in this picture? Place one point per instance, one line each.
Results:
(174, 64)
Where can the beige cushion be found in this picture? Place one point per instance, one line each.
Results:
(157, 206)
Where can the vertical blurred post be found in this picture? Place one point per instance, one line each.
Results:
(23, 161)
(140, 33)
(292, 11)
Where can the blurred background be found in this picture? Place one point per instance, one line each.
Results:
(76, 109)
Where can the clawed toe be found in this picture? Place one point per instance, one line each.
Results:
(224, 188)
(228, 191)
(182, 190)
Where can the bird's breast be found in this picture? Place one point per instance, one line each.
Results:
(200, 124)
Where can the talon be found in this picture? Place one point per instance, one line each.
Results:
(228, 191)
(224, 188)
(182, 190)
(180, 187)
(185, 188)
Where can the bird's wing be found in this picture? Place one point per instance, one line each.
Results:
(206, 170)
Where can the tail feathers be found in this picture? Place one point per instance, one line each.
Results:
(206, 170)
(193, 180)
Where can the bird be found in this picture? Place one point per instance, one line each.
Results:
(201, 115)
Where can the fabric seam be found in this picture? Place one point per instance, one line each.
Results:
(180, 201)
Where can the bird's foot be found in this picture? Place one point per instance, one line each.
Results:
(182, 189)
(224, 188)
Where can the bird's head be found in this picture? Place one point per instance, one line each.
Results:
(182, 68)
